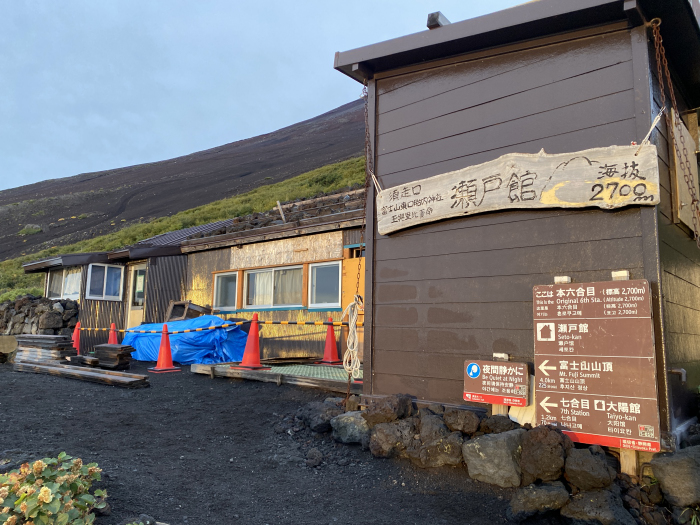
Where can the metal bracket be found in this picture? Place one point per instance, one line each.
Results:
(680, 372)
(363, 70)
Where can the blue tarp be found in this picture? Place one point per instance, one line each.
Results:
(206, 347)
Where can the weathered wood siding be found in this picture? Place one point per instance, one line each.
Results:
(200, 280)
(276, 340)
(680, 274)
(462, 288)
(100, 314)
(165, 282)
(296, 250)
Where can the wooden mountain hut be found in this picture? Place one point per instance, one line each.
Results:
(554, 75)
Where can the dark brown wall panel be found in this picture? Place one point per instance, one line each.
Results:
(499, 77)
(602, 83)
(620, 132)
(559, 121)
(462, 289)
(99, 314)
(165, 282)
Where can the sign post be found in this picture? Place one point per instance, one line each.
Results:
(595, 368)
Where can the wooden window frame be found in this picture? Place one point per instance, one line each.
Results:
(62, 295)
(241, 285)
(105, 298)
(245, 306)
(213, 300)
(326, 306)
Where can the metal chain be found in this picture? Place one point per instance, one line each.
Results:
(359, 299)
(369, 168)
(677, 135)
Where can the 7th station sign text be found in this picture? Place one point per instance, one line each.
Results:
(595, 369)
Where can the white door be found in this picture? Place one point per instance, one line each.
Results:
(137, 295)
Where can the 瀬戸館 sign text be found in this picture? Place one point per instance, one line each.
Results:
(603, 177)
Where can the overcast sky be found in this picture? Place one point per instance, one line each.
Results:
(90, 85)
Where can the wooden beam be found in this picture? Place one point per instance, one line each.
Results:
(83, 374)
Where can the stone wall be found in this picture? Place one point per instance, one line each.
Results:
(38, 315)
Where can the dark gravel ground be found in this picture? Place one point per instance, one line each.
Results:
(192, 450)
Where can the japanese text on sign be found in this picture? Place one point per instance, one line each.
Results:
(595, 372)
(603, 177)
(497, 383)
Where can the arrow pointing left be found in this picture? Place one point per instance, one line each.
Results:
(544, 405)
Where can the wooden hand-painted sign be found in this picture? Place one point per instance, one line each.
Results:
(604, 177)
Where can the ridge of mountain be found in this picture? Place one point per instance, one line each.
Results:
(82, 206)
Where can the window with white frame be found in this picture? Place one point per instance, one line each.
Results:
(273, 287)
(324, 285)
(63, 283)
(104, 282)
(225, 290)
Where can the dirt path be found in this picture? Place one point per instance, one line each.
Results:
(192, 450)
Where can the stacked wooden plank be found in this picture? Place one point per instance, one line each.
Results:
(107, 377)
(52, 347)
(83, 360)
(114, 357)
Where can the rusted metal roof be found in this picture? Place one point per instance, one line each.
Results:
(62, 261)
(340, 210)
(174, 238)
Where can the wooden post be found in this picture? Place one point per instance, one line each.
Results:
(500, 410)
(629, 462)
(629, 459)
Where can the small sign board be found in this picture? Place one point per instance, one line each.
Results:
(496, 382)
(595, 366)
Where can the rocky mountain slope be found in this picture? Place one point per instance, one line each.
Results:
(61, 211)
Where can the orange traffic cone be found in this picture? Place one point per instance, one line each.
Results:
(330, 352)
(76, 338)
(165, 356)
(251, 356)
(113, 335)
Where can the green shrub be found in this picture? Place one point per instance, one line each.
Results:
(12, 294)
(53, 491)
(29, 230)
(322, 180)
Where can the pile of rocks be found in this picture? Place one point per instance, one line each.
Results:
(28, 314)
(551, 473)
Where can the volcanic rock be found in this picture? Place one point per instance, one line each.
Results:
(50, 320)
(392, 439)
(497, 424)
(465, 421)
(317, 416)
(597, 506)
(679, 476)
(432, 427)
(495, 458)
(387, 409)
(543, 455)
(587, 470)
(533, 499)
(350, 427)
(442, 451)
(314, 457)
